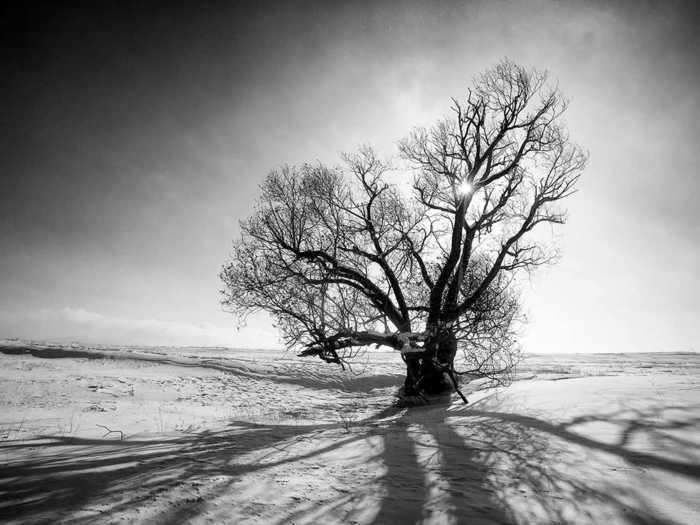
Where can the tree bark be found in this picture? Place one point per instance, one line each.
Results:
(428, 373)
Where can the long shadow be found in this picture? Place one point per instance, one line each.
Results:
(60, 477)
(52, 486)
(490, 463)
(402, 503)
(484, 460)
(556, 466)
(470, 494)
(458, 481)
(639, 422)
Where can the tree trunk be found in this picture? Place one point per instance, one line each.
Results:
(428, 373)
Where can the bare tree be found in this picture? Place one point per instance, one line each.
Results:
(344, 258)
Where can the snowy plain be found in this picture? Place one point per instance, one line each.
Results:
(204, 435)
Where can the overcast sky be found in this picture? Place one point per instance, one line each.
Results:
(134, 140)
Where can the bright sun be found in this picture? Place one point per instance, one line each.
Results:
(465, 187)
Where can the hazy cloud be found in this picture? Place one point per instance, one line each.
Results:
(79, 324)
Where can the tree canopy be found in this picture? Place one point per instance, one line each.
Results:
(423, 259)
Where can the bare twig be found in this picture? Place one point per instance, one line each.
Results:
(110, 431)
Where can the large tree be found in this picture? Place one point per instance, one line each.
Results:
(423, 262)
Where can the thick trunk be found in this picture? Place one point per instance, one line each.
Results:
(429, 372)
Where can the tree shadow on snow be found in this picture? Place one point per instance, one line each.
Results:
(460, 464)
(470, 464)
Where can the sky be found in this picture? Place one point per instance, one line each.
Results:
(134, 140)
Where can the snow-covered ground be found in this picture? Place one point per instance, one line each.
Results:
(187, 435)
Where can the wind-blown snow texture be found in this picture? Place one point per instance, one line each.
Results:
(187, 435)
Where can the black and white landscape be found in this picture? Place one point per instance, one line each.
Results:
(387, 262)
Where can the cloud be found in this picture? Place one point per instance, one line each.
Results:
(79, 324)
